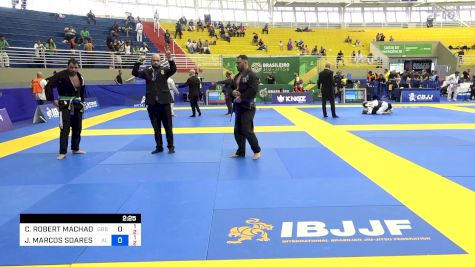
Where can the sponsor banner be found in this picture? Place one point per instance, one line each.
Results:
(418, 95)
(91, 103)
(324, 232)
(283, 68)
(405, 49)
(292, 98)
(215, 98)
(5, 122)
(354, 95)
(45, 113)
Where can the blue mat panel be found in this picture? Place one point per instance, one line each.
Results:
(279, 193)
(148, 173)
(415, 115)
(210, 118)
(176, 222)
(144, 157)
(43, 168)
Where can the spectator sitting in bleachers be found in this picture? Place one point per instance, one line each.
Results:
(357, 43)
(128, 47)
(206, 49)
(84, 35)
(261, 45)
(339, 58)
(370, 58)
(200, 25)
(348, 40)
(91, 17)
(189, 46)
(39, 53)
(323, 51)
(255, 38)
(69, 33)
(144, 49)
(290, 47)
(315, 50)
(391, 39)
(353, 56)
(50, 45)
(265, 29)
(242, 31)
(191, 26)
(359, 57)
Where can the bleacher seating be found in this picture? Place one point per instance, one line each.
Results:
(331, 39)
(22, 28)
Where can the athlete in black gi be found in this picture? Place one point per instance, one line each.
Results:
(158, 97)
(245, 90)
(194, 90)
(71, 90)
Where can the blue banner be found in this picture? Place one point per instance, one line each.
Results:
(420, 95)
(292, 98)
(5, 122)
(45, 113)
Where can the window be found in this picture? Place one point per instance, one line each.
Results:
(379, 17)
(391, 16)
(322, 17)
(311, 17)
(333, 17)
(401, 16)
(277, 16)
(288, 17)
(368, 17)
(252, 15)
(300, 16)
(263, 16)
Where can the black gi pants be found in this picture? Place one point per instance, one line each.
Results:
(325, 98)
(229, 104)
(161, 114)
(70, 121)
(194, 105)
(244, 129)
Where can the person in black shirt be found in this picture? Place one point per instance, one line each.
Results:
(271, 78)
(245, 90)
(71, 91)
(326, 85)
(158, 97)
(194, 92)
(228, 90)
(118, 78)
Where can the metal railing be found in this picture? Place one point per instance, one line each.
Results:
(31, 58)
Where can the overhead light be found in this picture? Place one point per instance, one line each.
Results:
(349, 4)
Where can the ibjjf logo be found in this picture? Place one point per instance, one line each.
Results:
(256, 67)
(256, 228)
(52, 113)
(142, 103)
(420, 97)
(412, 97)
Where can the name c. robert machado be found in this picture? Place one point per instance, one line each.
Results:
(59, 229)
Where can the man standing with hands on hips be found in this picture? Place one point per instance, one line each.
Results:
(245, 90)
(327, 87)
(158, 97)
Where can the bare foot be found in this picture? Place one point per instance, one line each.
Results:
(61, 156)
(256, 156)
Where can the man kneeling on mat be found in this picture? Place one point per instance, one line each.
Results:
(377, 107)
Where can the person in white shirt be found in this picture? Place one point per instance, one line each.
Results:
(377, 107)
(139, 30)
(144, 49)
(173, 91)
(453, 82)
(156, 22)
(359, 57)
